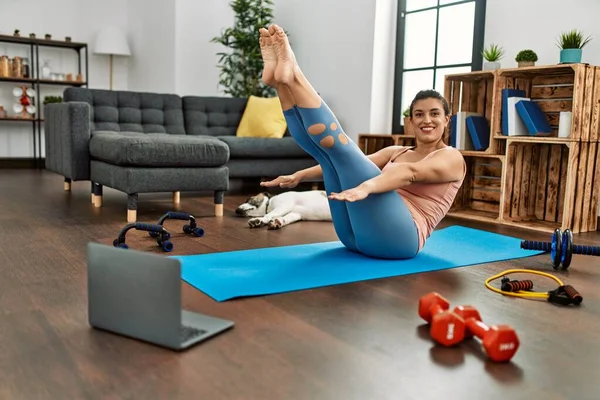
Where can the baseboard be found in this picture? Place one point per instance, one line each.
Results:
(22, 163)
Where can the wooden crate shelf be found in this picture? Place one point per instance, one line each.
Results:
(556, 88)
(371, 143)
(549, 186)
(534, 182)
(474, 92)
(480, 196)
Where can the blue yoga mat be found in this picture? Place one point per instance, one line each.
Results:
(227, 275)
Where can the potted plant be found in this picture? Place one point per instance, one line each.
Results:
(241, 67)
(48, 36)
(526, 58)
(408, 128)
(492, 55)
(571, 45)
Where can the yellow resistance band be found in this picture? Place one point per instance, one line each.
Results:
(564, 294)
(521, 293)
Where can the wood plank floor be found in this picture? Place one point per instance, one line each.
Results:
(354, 341)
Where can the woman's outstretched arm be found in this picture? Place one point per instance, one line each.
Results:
(446, 166)
(379, 158)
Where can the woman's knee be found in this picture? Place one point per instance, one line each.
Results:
(388, 248)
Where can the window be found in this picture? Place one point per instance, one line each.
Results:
(435, 38)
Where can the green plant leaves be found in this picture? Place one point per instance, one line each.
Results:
(241, 66)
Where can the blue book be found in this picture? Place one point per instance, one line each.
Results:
(452, 138)
(479, 130)
(533, 117)
(506, 93)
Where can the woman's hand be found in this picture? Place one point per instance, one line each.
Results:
(284, 181)
(355, 194)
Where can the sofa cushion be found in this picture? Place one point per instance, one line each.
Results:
(124, 111)
(242, 147)
(158, 149)
(213, 116)
(262, 118)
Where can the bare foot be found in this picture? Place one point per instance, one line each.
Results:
(269, 57)
(286, 61)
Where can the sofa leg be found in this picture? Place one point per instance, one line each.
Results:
(93, 195)
(97, 193)
(176, 197)
(132, 202)
(67, 184)
(218, 196)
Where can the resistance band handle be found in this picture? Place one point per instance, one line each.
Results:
(515, 286)
(573, 294)
(565, 295)
(586, 250)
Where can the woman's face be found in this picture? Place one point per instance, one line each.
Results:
(429, 120)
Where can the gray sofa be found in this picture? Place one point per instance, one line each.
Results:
(138, 142)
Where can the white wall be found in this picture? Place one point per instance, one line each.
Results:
(197, 22)
(546, 19)
(151, 27)
(334, 43)
(76, 18)
(384, 56)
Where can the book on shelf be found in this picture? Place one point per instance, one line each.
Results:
(505, 109)
(479, 131)
(533, 117)
(516, 126)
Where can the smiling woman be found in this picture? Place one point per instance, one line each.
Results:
(384, 205)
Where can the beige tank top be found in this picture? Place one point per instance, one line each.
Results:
(428, 202)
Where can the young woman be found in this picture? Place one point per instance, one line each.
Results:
(384, 205)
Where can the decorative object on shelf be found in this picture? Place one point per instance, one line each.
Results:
(4, 67)
(68, 39)
(526, 58)
(17, 67)
(79, 78)
(2, 112)
(48, 36)
(24, 107)
(46, 70)
(17, 33)
(241, 68)
(52, 99)
(26, 69)
(32, 35)
(492, 55)
(571, 44)
(112, 41)
(564, 124)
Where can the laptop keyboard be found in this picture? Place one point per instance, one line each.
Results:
(187, 332)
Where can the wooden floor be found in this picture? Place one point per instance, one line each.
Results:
(354, 341)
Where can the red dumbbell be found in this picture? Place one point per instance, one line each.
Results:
(447, 327)
(499, 341)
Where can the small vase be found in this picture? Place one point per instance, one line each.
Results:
(522, 64)
(46, 70)
(570, 56)
(491, 65)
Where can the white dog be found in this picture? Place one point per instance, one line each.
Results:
(285, 208)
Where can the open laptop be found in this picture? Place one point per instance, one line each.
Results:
(138, 295)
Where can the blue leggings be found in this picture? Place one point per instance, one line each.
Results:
(379, 226)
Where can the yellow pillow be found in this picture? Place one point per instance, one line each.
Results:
(263, 117)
